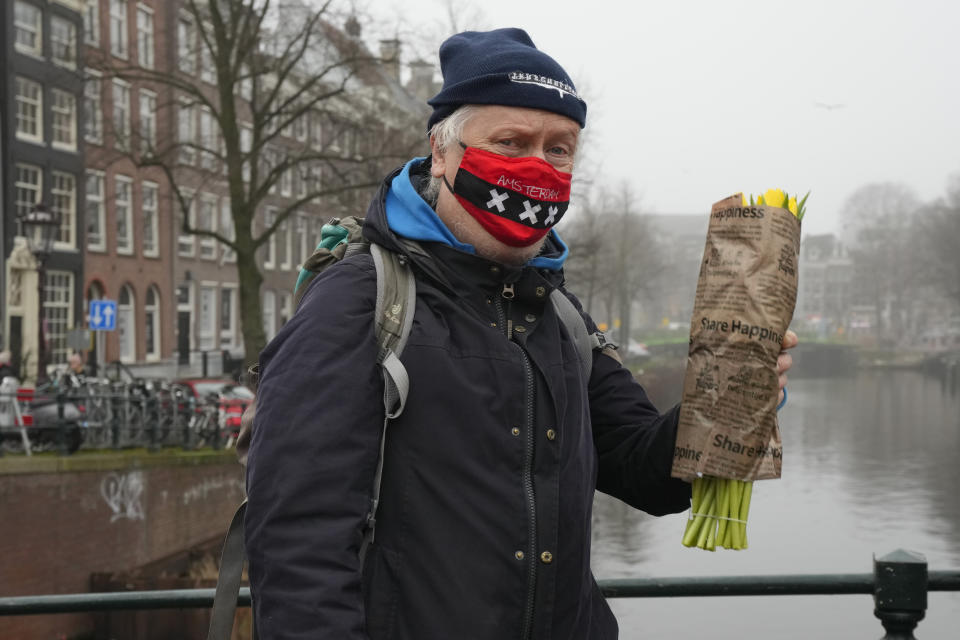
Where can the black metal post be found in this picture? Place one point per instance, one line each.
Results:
(152, 414)
(900, 592)
(41, 338)
(61, 423)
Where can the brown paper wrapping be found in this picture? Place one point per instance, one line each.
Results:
(745, 298)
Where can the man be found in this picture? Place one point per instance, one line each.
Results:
(483, 530)
(75, 364)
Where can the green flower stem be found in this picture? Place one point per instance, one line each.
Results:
(718, 504)
(708, 510)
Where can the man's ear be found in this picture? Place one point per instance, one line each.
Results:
(438, 166)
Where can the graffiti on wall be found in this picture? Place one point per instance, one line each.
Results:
(123, 495)
(202, 489)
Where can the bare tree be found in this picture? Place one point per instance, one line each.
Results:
(938, 231)
(878, 222)
(262, 73)
(614, 259)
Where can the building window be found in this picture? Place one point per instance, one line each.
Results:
(285, 245)
(29, 110)
(300, 126)
(151, 327)
(27, 24)
(246, 144)
(315, 182)
(303, 239)
(316, 124)
(63, 189)
(148, 121)
(63, 42)
(27, 189)
(91, 23)
(58, 313)
(121, 114)
(246, 82)
(186, 133)
(208, 71)
(269, 312)
(96, 212)
(269, 159)
(286, 308)
(123, 208)
(226, 228)
(286, 182)
(185, 241)
(145, 36)
(228, 317)
(149, 193)
(186, 37)
(207, 139)
(207, 221)
(118, 28)
(270, 259)
(64, 119)
(92, 110)
(208, 317)
(126, 325)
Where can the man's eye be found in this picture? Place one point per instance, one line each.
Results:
(558, 151)
(507, 143)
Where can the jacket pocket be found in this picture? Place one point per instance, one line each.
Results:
(381, 581)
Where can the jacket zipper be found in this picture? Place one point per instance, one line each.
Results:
(503, 317)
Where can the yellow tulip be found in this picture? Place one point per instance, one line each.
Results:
(792, 205)
(760, 201)
(743, 199)
(774, 197)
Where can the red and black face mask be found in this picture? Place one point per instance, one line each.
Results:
(517, 200)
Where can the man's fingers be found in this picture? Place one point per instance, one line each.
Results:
(784, 362)
(790, 340)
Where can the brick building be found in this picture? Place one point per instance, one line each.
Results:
(128, 240)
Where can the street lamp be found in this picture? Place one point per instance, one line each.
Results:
(40, 226)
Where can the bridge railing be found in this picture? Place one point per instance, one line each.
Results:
(899, 585)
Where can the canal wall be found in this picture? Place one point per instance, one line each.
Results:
(64, 519)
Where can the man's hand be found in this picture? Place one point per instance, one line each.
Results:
(785, 360)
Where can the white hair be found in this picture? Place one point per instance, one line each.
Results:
(445, 133)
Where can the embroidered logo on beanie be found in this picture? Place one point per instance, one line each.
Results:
(545, 82)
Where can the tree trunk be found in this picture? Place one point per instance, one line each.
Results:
(250, 278)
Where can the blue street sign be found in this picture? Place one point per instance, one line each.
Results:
(103, 315)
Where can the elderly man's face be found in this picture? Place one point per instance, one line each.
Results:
(510, 131)
(515, 132)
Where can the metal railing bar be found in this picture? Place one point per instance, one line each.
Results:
(759, 585)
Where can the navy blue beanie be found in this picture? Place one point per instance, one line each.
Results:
(502, 67)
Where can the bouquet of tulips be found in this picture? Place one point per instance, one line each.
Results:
(728, 434)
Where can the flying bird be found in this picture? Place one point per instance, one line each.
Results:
(829, 107)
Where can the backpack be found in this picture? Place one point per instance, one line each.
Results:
(395, 304)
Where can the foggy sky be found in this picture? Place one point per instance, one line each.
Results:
(693, 101)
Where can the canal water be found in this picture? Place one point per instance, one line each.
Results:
(871, 465)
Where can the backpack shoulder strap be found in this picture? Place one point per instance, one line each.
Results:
(393, 317)
(585, 342)
(228, 580)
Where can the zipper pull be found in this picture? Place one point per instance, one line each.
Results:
(507, 293)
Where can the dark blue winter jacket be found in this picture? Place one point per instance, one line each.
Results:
(483, 531)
